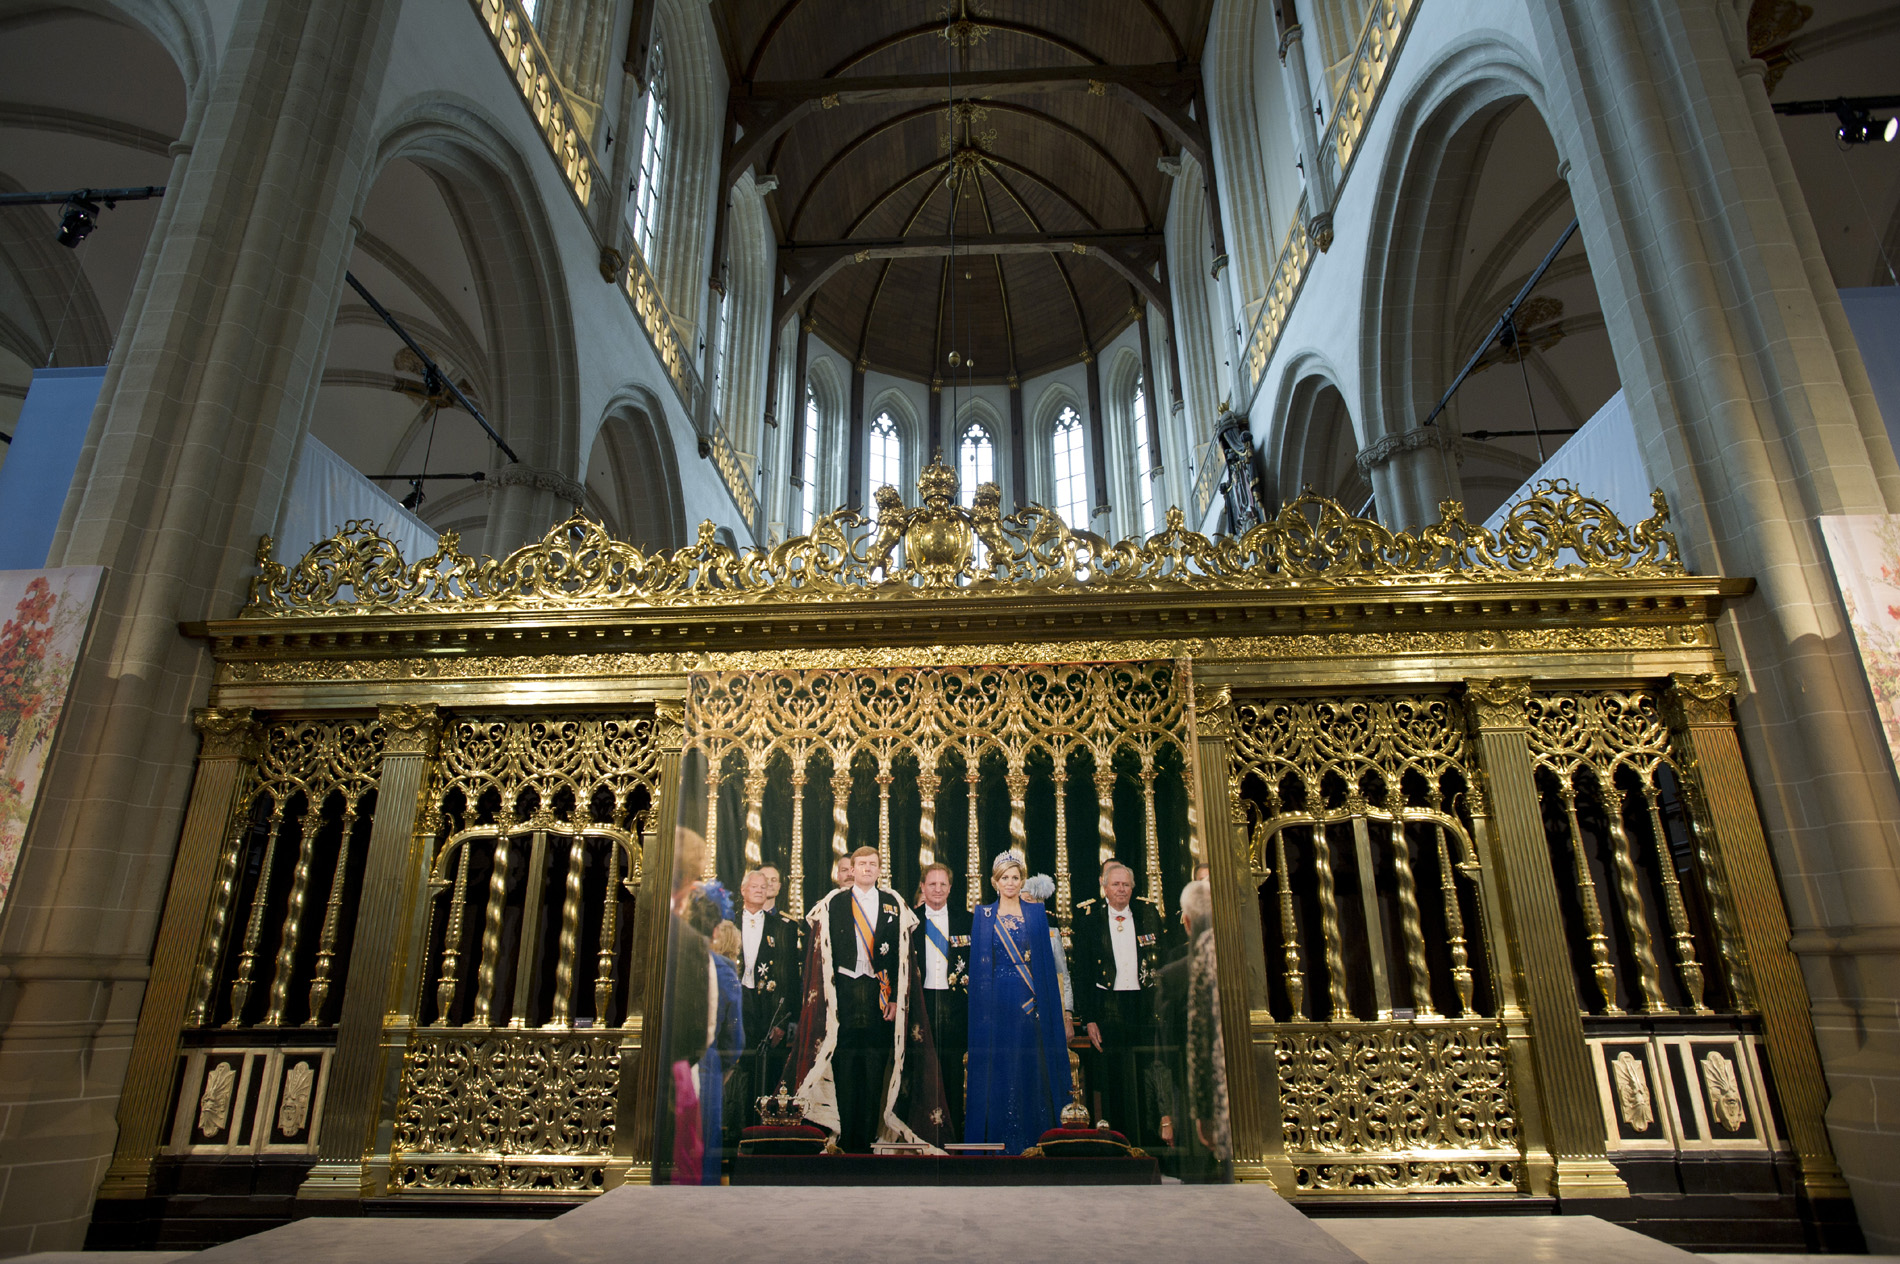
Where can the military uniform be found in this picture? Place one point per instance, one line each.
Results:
(1115, 966)
(947, 997)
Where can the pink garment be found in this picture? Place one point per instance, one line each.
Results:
(689, 1147)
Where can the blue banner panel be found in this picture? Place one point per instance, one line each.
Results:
(41, 462)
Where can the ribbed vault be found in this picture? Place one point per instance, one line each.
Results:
(888, 160)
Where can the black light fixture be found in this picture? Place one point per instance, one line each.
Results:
(77, 219)
(1855, 116)
(80, 213)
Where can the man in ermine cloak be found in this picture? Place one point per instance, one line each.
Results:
(865, 1063)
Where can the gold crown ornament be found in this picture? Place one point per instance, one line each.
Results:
(780, 1109)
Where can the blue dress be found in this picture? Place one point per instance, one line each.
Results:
(1019, 1057)
(722, 1055)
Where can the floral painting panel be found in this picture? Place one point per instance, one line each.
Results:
(46, 614)
(1865, 552)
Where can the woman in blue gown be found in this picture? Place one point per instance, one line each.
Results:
(1019, 1058)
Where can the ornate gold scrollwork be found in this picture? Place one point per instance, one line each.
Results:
(1556, 533)
(1376, 1106)
(506, 1111)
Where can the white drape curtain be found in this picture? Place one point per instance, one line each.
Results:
(327, 492)
(1601, 461)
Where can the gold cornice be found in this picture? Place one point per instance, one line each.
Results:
(920, 562)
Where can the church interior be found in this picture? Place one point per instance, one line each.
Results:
(1395, 498)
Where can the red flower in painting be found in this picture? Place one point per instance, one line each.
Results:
(25, 640)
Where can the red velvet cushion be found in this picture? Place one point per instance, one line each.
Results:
(789, 1139)
(1081, 1134)
(783, 1132)
(1084, 1143)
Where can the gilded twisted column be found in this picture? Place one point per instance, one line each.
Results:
(1559, 1096)
(1699, 709)
(1018, 782)
(1065, 887)
(754, 811)
(332, 917)
(841, 809)
(201, 883)
(973, 875)
(795, 880)
(385, 957)
(927, 784)
(1594, 930)
(1635, 916)
(884, 821)
(1151, 834)
(1688, 968)
(1105, 800)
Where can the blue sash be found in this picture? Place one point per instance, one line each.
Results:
(1016, 959)
(937, 937)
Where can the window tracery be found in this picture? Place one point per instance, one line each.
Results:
(1071, 481)
(644, 196)
(887, 452)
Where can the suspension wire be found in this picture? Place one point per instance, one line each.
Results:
(1517, 345)
(1880, 238)
(59, 329)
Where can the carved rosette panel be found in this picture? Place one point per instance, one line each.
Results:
(506, 1111)
(1397, 1106)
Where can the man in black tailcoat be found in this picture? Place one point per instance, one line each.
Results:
(942, 942)
(1115, 966)
(770, 977)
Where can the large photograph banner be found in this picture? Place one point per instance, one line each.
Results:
(953, 914)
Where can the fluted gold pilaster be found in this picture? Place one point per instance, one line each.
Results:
(229, 741)
(1560, 1061)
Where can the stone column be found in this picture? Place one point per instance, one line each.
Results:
(183, 468)
(1561, 1075)
(1725, 803)
(1411, 473)
(229, 751)
(1253, 1076)
(1754, 414)
(1098, 446)
(384, 957)
(524, 504)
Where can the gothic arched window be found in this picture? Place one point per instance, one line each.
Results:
(808, 504)
(976, 462)
(1144, 457)
(887, 454)
(645, 195)
(1072, 500)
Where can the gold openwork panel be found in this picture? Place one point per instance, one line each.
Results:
(1359, 838)
(1646, 909)
(506, 1111)
(1018, 739)
(1370, 1107)
(540, 824)
(275, 949)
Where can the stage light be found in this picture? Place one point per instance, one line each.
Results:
(1857, 124)
(77, 219)
(1891, 130)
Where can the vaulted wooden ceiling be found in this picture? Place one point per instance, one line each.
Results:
(1070, 155)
